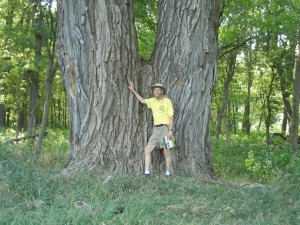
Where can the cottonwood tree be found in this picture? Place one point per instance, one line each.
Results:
(98, 56)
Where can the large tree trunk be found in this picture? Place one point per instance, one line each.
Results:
(294, 129)
(185, 60)
(97, 53)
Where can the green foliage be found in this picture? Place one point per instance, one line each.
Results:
(145, 22)
(264, 35)
(17, 40)
(251, 159)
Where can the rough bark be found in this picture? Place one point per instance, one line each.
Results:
(97, 53)
(230, 72)
(185, 60)
(294, 129)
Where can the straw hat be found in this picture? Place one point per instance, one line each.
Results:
(158, 85)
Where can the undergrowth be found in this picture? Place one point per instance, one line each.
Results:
(34, 192)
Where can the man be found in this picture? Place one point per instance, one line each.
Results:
(163, 115)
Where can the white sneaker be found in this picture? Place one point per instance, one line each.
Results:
(167, 173)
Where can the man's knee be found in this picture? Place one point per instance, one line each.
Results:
(148, 149)
(167, 153)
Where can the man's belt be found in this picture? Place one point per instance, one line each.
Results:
(160, 125)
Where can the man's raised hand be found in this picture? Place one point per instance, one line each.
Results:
(131, 86)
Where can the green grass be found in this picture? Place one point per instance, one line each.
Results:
(32, 193)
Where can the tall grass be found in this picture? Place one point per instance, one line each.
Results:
(32, 193)
(248, 157)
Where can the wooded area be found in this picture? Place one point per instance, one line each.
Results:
(229, 66)
(72, 135)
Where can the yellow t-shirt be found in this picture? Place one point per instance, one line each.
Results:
(161, 110)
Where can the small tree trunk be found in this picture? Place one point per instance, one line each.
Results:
(230, 72)
(285, 95)
(234, 112)
(32, 76)
(22, 119)
(246, 125)
(8, 117)
(52, 112)
(294, 129)
(52, 67)
(268, 116)
(49, 80)
(284, 122)
(65, 109)
(2, 115)
(227, 124)
(59, 112)
(34, 99)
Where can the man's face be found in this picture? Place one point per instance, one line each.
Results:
(157, 92)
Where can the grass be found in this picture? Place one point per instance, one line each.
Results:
(32, 193)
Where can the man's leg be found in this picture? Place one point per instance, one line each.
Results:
(167, 155)
(148, 151)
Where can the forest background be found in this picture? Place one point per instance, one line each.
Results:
(251, 122)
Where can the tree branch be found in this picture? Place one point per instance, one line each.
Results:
(236, 46)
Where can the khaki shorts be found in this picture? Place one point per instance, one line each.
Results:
(156, 139)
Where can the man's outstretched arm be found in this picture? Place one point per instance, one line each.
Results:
(140, 98)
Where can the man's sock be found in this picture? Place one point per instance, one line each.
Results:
(147, 172)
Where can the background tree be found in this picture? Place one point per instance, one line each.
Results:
(49, 40)
(266, 43)
(19, 45)
(296, 96)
